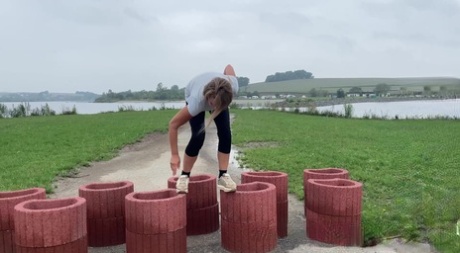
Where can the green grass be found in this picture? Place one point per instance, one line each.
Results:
(367, 84)
(409, 168)
(34, 150)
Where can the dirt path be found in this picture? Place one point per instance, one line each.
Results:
(146, 164)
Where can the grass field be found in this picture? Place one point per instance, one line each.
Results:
(366, 84)
(409, 168)
(34, 150)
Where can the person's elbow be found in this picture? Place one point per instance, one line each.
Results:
(173, 125)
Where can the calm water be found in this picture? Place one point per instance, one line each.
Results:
(409, 109)
(94, 108)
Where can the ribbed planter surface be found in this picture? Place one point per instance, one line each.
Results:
(280, 180)
(50, 225)
(248, 218)
(8, 200)
(156, 222)
(334, 209)
(106, 212)
(326, 173)
(202, 205)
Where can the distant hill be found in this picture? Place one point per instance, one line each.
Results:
(46, 96)
(366, 84)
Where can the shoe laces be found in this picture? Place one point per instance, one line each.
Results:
(182, 182)
(227, 179)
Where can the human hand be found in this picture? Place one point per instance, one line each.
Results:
(229, 70)
(175, 164)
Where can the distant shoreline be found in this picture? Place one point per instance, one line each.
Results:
(335, 101)
(272, 102)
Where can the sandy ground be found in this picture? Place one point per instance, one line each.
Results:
(146, 164)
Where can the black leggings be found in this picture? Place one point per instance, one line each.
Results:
(223, 133)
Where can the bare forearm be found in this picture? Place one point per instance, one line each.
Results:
(173, 140)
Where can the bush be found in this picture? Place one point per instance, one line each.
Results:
(66, 111)
(3, 111)
(23, 110)
(348, 110)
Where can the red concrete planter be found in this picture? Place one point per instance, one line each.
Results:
(334, 209)
(280, 180)
(326, 173)
(8, 200)
(45, 225)
(7, 244)
(156, 220)
(165, 242)
(202, 205)
(106, 212)
(78, 246)
(248, 218)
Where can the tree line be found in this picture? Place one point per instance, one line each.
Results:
(161, 93)
(289, 75)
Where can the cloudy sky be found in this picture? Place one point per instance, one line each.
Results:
(97, 45)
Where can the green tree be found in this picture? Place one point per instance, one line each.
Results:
(356, 90)
(243, 81)
(313, 93)
(340, 93)
(289, 75)
(427, 90)
(382, 89)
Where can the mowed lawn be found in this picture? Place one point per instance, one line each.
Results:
(34, 150)
(410, 168)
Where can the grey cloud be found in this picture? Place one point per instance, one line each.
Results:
(134, 14)
(285, 21)
(96, 45)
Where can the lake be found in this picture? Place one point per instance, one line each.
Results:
(402, 109)
(94, 108)
(407, 109)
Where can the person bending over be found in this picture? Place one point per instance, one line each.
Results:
(211, 92)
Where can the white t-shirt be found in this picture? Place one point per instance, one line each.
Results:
(194, 91)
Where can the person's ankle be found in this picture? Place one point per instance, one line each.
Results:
(185, 173)
(222, 172)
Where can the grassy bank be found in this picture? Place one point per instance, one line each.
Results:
(409, 168)
(34, 150)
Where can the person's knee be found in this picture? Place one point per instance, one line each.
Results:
(195, 144)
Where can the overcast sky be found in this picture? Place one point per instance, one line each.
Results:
(97, 45)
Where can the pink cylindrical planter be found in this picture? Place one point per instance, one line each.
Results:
(202, 205)
(106, 212)
(248, 218)
(51, 225)
(280, 180)
(8, 200)
(334, 209)
(326, 173)
(156, 222)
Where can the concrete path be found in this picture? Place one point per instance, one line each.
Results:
(146, 164)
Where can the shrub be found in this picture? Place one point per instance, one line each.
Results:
(348, 110)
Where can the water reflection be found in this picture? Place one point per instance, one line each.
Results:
(406, 109)
(390, 110)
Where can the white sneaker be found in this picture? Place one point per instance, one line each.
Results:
(226, 183)
(182, 184)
